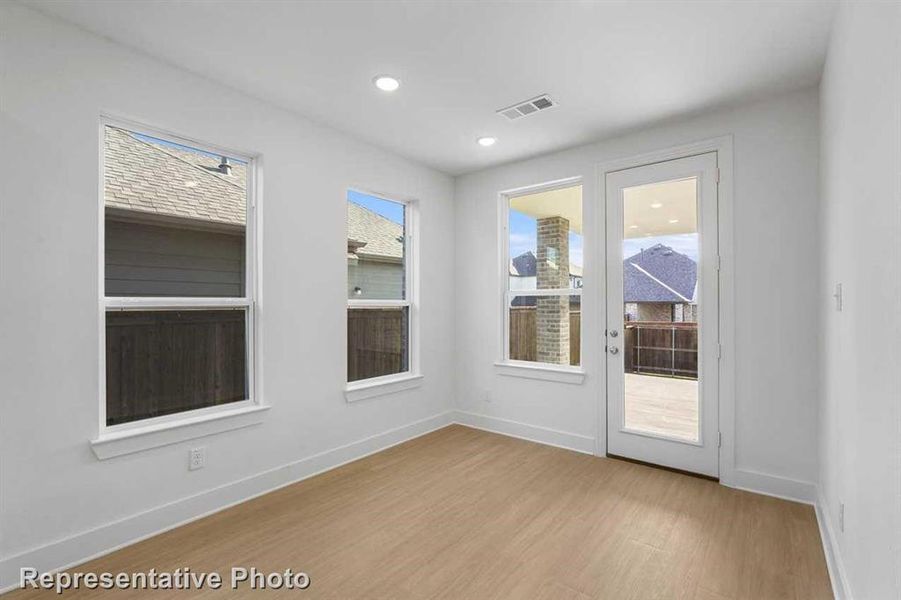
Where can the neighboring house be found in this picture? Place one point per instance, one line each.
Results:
(660, 284)
(524, 276)
(524, 273)
(176, 222)
(375, 255)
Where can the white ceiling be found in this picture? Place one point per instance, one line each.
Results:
(612, 66)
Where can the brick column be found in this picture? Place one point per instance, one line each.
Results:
(553, 272)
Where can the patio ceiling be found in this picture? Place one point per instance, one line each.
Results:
(564, 202)
(666, 208)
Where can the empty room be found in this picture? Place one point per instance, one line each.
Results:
(381, 299)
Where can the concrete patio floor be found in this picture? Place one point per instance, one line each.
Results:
(662, 405)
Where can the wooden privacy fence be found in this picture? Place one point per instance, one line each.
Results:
(661, 348)
(376, 342)
(169, 361)
(524, 334)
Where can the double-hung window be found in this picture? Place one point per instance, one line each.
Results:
(542, 266)
(381, 303)
(178, 291)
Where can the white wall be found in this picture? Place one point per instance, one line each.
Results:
(860, 411)
(776, 258)
(56, 82)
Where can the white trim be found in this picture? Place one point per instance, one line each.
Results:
(841, 588)
(542, 371)
(381, 386)
(544, 292)
(167, 303)
(546, 186)
(99, 541)
(773, 485)
(723, 146)
(505, 293)
(375, 303)
(701, 455)
(110, 440)
(187, 427)
(360, 390)
(542, 435)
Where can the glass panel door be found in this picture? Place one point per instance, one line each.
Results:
(660, 308)
(662, 311)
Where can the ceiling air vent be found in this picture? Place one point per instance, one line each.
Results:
(524, 109)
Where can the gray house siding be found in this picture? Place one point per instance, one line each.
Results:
(376, 280)
(153, 260)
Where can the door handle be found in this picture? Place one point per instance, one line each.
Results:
(614, 350)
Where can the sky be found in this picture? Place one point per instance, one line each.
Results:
(162, 142)
(685, 243)
(390, 210)
(523, 237)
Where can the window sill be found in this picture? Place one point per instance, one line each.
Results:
(380, 386)
(572, 375)
(112, 444)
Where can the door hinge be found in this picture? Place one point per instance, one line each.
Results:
(717, 174)
(719, 351)
(719, 263)
(719, 439)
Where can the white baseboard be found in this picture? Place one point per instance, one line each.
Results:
(772, 485)
(87, 545)
(837, 576)
(532, 433)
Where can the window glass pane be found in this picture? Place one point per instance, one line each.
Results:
(377, 342)
(167, 361)
(376, 260)
(546, 240)
(546, 329)
(661, 249)
(175, 218)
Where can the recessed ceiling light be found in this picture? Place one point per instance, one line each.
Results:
(656, 205)
(386, 83)
(633, 226)
(486, 141)
(674, 220)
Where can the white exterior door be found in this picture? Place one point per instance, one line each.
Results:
(662, 314)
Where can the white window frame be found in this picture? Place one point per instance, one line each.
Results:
(520, 368)
(124, 438)
(362, 389)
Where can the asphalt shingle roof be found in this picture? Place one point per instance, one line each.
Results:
(659, 274)
(526, 265)
(382, 237)
(144, 176)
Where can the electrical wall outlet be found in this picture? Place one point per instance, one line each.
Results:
(196, 458)
(841, 517)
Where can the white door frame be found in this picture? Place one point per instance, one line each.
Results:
(723, 147)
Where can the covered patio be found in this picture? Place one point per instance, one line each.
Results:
(662, 405)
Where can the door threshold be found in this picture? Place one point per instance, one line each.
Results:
(656, 466)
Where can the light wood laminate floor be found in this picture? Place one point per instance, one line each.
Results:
(462, 513)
